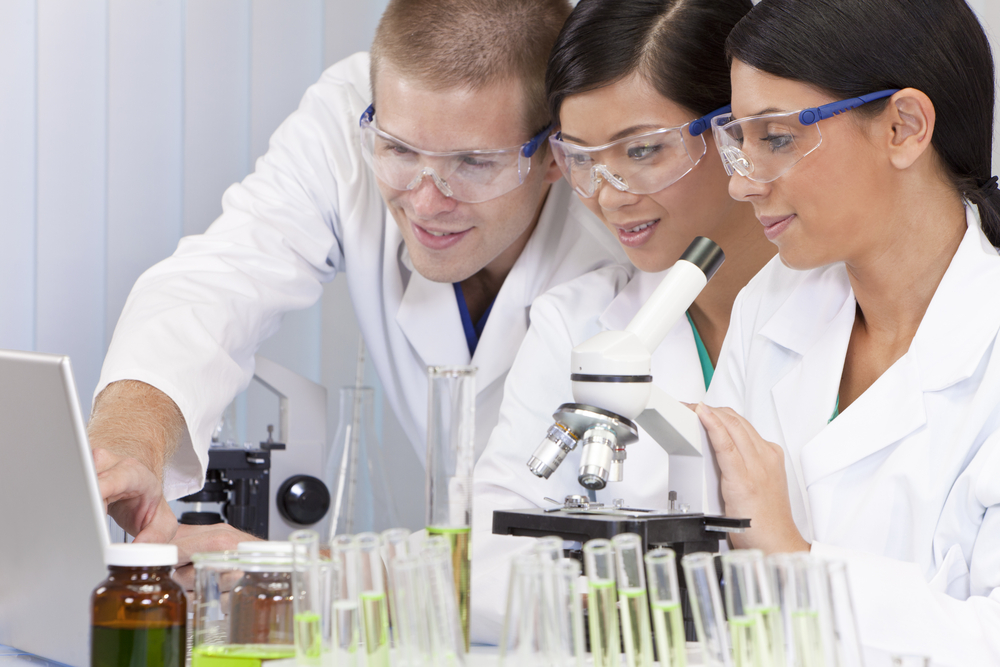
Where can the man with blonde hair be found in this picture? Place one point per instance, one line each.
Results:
(444, 128)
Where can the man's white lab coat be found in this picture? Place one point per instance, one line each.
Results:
(539, 383)
(311, 210)
(905, 483)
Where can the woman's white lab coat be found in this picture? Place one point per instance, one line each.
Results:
(905, 483)
(539, 383)
(312, 209)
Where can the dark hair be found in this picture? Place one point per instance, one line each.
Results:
(853, 47)
(677, 45)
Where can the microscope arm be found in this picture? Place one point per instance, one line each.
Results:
(679, 431)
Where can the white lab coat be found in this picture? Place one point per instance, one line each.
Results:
(904, 484)
(311, 210)
(539, 383)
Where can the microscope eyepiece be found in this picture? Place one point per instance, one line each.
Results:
(705, 254)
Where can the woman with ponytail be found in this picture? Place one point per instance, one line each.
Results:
(858, 388)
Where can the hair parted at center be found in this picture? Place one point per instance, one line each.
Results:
(472, 44)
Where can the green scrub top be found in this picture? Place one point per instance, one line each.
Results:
(706, 362)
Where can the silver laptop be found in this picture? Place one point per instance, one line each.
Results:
(52, 523)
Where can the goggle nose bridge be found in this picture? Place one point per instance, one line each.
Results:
(736, 160)
(601, 171)
(441, 184)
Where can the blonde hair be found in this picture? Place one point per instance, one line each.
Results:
(472, 44)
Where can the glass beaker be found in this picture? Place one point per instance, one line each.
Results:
(243, 611)
(355, 470)
(706, 607)
(665, 604)
(451, 422)
(632, 599)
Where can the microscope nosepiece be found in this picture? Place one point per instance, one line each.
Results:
(558, 442)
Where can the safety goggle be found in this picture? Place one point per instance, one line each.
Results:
(471, 176)
(762, 148)
(641, 164)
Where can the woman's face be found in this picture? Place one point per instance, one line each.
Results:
(654, 229)
(822, 209)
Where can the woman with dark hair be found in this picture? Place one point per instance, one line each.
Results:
(860, 377)
(632, 85)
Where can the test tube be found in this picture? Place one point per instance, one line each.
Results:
(345, 597)
(552, 619)
(633, 600)
(307, 599)
(745, 605)
(571, 605)
(599, 564)
(706, 607)
(450, 458)
(445, 629)
(410, 597)
(394, 545)
(524, 640)
(665, 604)
(374, 607)
(803, 603)
(845, 628)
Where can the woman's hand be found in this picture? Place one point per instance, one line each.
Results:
(753, 482)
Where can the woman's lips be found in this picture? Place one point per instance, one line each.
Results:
(636, 234)
(437, 240)
(775, 225)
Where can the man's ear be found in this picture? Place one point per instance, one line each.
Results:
(548, 160)
(911, 117)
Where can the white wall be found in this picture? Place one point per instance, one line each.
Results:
(121, 123)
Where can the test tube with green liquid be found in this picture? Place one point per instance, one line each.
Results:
(633, 602)
(394, 545)
(750, 609)
(307, 599)
(602, 604)
(450, 457)
(665, 605)
(345, 600)
(802, 606)
(374, 605)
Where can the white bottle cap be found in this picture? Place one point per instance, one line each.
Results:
(140, 555)
(263, 547)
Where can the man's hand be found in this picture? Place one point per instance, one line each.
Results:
(133, 430)
(753, 482)
(199, 539)
(133, 496)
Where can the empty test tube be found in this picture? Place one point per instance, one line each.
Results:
(447, 638)
(394, 545)
(345, 600)
(410, 617)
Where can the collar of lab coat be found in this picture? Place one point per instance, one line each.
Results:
(946, 349)
(430, 319)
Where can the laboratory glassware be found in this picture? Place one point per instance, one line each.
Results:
(526, 636)
(447, 639)
(138, 614)
(804, 589)
(845, 628)
(599, 566)
(243, 611)
(633, 601)
(450, 458)
(748, 609)
(706, 607)
(311, 600)
(394, 545)
(362, 500)
(346, 600)
(571, 594)
(374, 603)
(665, 605)
(411, 633)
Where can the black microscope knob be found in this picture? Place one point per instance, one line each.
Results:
(200, 518)
(303, 499)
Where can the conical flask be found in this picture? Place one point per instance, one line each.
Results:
(355, 472)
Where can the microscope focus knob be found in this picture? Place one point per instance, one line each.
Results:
(303, 500)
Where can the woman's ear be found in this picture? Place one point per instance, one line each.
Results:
(911, 117)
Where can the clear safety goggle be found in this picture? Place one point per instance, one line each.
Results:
(762, 148)
(641, 164)
(471, 176)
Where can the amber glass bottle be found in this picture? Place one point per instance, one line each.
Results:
(138, 613)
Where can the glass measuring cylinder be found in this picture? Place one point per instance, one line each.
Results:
(706, 607)
(243, 606)
(633, 602)
(665, 605)
(451, 421)
(599, 565)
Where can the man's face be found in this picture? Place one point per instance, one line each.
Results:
(449, 240)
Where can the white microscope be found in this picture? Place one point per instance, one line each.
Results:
(612, 387)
